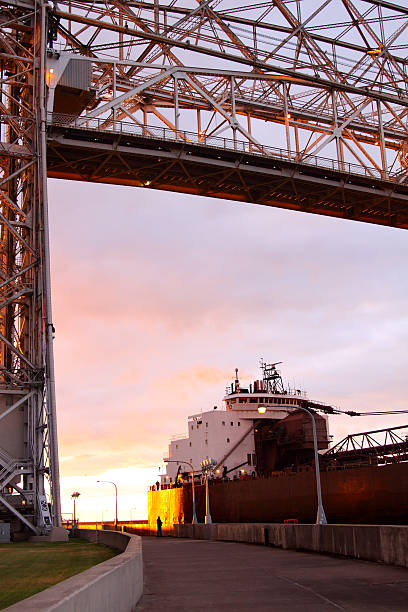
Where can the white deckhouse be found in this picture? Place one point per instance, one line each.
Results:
(228, 434)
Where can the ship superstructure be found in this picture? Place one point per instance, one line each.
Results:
(261, 428)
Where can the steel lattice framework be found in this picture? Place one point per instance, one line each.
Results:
(28, 436)
(290, 103)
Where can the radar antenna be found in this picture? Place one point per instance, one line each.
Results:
(272, 378)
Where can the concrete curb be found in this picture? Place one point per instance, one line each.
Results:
(115, 584)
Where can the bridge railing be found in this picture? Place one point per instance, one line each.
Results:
(218, 142)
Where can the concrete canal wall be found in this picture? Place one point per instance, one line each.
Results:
(380, 543)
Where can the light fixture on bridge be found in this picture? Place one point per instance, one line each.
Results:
(261, 409)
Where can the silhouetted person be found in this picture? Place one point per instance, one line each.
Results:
(159, 527)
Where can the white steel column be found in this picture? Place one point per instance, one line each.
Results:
(49, 327)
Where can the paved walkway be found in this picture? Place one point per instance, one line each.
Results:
(198, 575)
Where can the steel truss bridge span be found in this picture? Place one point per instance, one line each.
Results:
(301, 105)
(157, 158)
(325, 84)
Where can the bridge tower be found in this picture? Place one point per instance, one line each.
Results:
(29, 473)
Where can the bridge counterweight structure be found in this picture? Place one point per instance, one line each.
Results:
(292, 104)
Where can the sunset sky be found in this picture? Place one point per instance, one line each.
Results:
(157, 297)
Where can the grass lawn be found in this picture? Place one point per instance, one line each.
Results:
(27, 568)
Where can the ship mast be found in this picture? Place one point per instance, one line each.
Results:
(272, 379)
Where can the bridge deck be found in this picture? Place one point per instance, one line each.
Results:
(155, 158)
(200, 575)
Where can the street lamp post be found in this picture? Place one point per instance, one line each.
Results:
(208, 519)
(75, 496)
(116, 499)
(321, 516)
(194, 521)
(207, 465)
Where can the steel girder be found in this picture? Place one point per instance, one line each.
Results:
(28, 436)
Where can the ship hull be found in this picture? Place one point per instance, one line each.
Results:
(368, 495)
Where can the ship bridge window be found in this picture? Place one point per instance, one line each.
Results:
(228, 439)
(233, 401)
(232, 423)
(239, 423)
(242, 401)
(192, 427)
(206, 424)
(249, 459)
(223, 422)
(253, 400)
(190, 443)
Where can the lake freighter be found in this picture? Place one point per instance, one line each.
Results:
(263, 445)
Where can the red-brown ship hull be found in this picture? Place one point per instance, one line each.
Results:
(369, 495)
